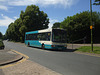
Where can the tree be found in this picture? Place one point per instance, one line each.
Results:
(34, 19)
(1, 35)
(56, 25)
(30, 20)
(22, 30)
(11, 33)
(78, 26)
(97, 2)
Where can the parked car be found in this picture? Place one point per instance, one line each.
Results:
(1, 45)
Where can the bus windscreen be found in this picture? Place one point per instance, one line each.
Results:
(59, 36)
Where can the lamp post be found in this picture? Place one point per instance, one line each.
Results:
(91, 26)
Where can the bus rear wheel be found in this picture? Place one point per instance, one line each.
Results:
(43, 47)
(28, 44)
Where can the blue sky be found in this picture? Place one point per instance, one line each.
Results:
(56, 10)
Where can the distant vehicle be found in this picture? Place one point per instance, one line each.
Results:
(47, 39)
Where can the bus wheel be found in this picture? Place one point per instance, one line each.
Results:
(43, 47)
(28, 44)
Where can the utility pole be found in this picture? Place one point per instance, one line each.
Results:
(91, 26)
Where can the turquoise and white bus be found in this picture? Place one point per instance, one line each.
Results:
(47, 39)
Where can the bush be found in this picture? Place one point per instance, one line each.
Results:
(1, 44)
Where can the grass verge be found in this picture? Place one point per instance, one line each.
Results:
(96, 50)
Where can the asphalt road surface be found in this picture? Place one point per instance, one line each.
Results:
(64, 62)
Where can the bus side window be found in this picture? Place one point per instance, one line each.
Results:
(39, 36)
(48, 36)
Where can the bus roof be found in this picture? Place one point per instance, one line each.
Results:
(39, 31)
(42, 31)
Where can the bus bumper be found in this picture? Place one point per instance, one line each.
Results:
(55, 47)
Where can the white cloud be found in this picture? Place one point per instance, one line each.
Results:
(3, 7)
(15, 17)
(57, 3)
(5, 21)
(22, 2)
(52, 21)
(65, 3)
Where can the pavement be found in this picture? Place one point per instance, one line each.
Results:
(28, 67)
(75, 46)
(7, 56)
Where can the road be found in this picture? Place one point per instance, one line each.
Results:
(64, 62)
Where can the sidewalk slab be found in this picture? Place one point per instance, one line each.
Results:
(8, 56)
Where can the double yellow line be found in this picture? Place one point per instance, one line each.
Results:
(24, 59)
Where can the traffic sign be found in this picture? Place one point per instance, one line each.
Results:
(91, 27)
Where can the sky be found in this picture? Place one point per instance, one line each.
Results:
(57, 10)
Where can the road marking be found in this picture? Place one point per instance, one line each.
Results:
(24, 59)
(20, 53)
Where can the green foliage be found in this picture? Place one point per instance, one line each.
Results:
(1, 35)
(97, 2)
(88, 49)
(78, 26)
(56, 25)
(22, 30)
(1, 44)
(30, 20)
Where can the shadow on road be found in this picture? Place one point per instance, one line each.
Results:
(67, 50)
(55, 50)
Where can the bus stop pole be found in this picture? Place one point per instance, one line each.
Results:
(91, 25)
